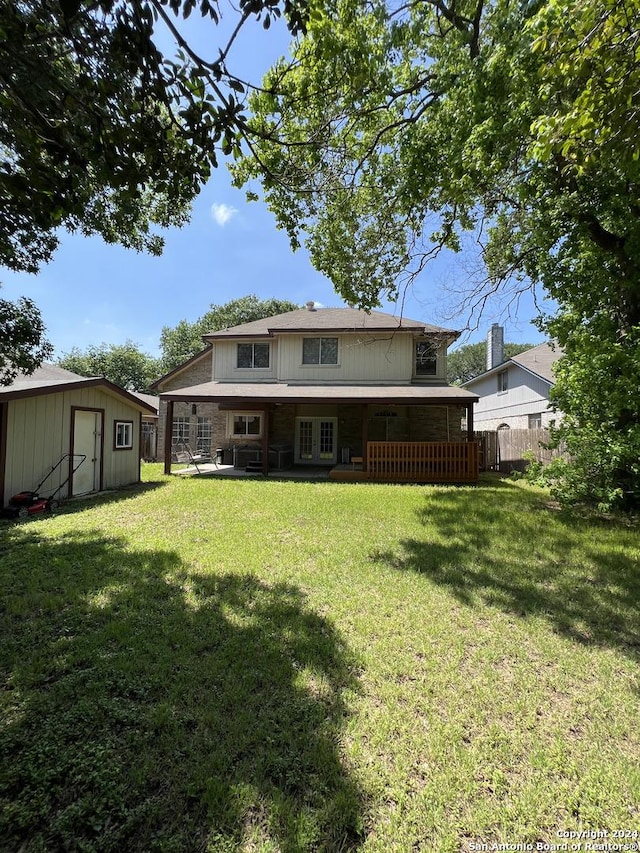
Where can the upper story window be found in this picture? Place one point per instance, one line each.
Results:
(320, 351)
(426, 358)
(503, 381)
(253, 355)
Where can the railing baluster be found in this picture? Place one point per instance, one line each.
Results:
(422, 460)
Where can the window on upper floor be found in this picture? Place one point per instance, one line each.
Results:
(503, 381)
(320, 351)
(253, 356)
(426, 358)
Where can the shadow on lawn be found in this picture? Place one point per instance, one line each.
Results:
(508, 550)
(148, 708)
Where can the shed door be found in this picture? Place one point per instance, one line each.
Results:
(87, 439)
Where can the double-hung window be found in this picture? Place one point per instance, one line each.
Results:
(253, 356)
(426, 358)
(320, 351)
(503, 381)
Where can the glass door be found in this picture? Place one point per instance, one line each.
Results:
(316, 441)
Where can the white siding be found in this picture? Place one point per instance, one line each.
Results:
(526, 395)
(226, 359)
(39, 434)
(361, 358)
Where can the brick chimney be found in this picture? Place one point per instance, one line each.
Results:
(495, 346)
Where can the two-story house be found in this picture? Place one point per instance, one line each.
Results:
(324, 386)
(514, 393)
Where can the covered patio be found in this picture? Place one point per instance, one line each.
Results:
(384, 433)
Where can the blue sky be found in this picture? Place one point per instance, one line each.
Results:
(93, 293)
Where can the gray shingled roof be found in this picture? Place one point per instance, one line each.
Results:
(282, 392)
(539, 360)
(49, 379)
(42, 377)
(149, 399)
(330, 320)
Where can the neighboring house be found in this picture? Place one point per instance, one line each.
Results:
(323, 386)
(52, 413)
(514, 393)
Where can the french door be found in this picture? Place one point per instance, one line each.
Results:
(316, 441)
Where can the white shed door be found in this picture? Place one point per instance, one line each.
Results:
(87, 440)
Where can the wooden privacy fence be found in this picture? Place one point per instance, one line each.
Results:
(423, 461)
(507, 450)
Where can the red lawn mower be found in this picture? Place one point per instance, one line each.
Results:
(25, 504)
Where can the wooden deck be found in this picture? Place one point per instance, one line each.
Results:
(414, 462)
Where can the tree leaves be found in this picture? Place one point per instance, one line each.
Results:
(99, 131)
(398, 130)
(22, 339)
(181, 342)
(123, 364)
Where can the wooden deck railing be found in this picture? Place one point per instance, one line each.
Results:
(423, 461)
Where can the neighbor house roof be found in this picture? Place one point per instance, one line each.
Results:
(49, 379)
(272, 392)
(149, 399)
(330, 320)
(538, 360)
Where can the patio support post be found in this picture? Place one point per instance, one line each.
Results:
(469, 421)
(168, 437)
(265, 442)
(365, 435)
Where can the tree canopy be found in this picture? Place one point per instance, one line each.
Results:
(123, 364)
(104, 132)
(181, 342)
(100, 130)
(400, 129)
(22, 343)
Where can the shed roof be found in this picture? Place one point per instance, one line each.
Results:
(49, 379)
(330, 320)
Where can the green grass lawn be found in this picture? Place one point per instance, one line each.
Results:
(257, 665)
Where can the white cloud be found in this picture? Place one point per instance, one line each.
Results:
(222, 213)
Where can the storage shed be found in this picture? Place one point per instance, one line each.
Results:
(55, 415)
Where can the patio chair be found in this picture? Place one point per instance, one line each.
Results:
(185, 455)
